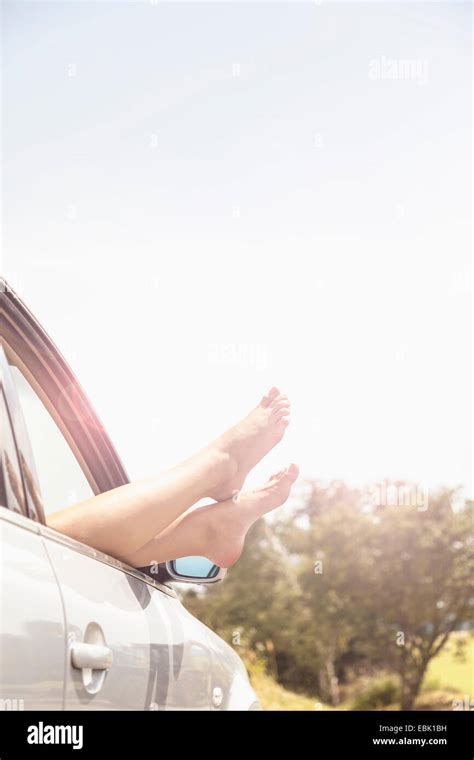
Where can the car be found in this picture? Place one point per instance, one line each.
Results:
(81, 630)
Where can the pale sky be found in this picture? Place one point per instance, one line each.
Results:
(204, 200)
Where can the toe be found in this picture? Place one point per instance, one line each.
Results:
(292, 472)
(279, 486)
(278, 403)
(276, 399)
(281, 406)
(278, 475)
(269, 398)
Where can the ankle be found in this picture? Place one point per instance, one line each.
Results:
(223, 468)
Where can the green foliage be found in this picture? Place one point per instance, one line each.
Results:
(342, 584)
(380, 693)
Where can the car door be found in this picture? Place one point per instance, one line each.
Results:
(129, 642)
(32, 632)
(108, 631)
(105, 654)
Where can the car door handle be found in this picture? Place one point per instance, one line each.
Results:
(92, 656)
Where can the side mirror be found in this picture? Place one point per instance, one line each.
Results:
(195, 570)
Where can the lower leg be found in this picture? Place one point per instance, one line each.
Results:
(122, 520)
(216, 531)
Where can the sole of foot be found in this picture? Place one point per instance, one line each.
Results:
(227, 523)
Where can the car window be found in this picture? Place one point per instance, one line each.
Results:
(61, 479)
(12, 493)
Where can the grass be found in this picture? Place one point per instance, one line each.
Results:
(447, 675)
(272, 696)
(449, 672)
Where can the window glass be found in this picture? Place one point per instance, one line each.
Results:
(12, 492)
(61, 479)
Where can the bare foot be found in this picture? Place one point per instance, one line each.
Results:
(246, 443)
(221, 528)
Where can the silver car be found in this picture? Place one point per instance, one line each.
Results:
(79, 629)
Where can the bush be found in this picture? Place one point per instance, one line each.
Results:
(379, 693)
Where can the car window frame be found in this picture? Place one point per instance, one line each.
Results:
(5, 501)
(32, 507)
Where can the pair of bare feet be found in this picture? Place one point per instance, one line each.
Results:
(152, 521)
(220, 528)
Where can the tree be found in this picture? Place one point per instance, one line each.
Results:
(420, 584)
(328, 536)
(342, 580)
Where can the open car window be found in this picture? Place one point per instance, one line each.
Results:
(61, 479)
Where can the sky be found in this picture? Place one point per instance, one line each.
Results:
(203, 200)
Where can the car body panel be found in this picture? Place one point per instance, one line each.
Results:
(94, 592)
(32, 637)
